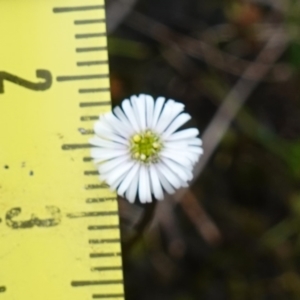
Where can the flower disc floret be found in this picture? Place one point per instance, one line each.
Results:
(145, 147)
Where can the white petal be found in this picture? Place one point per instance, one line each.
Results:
(184, 143)
(112, 177)
(127, 180)
(196, 150)
(101, 179)
(155, 184)
(169, 113)
(148, 186)
(165, 117)
(133, 100)
(193, 158)
(177, 108)
(141, 105)
(157, 110)
(117, 182)
(183, 153)
(178, 122)
(102, 131)
(122, 117)
(170, 176)
(132, 189)
(97, 141)
(195, 142)
(119, 127)
(185, 184)
(113, 163)
(149, 110)
(182, 160)
(164, 182)
(185, 150)
(128, 110)
(183, 134)
(103, 154)
(144, 185)
(184, 173)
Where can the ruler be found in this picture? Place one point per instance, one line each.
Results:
(59, 226)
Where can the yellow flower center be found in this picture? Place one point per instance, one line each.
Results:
(145, 146)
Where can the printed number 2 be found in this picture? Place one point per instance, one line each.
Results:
(39, 86)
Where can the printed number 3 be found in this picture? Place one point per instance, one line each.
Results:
(39, 86)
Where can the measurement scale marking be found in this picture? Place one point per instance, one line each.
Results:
(75, 146)
(103, 296)
(81, 77)
(91, 21)
(92, 214)
(96, 282)
(89, 35)
(87, 159)
(95, 255)
(90, 49)
(103, 227)
(89, 104)
(76, 8)
(95, 90)
(92, 63)
(101, 269)
(87, 132)
(96, 186)
(110, 241)
(91, 173)
(89, 118)
(97, 200)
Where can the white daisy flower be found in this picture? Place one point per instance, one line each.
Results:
(139, 151)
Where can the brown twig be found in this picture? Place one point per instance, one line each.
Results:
(140, 227)
(238, 95)
(201, 220)
(166, 219)
(209, 53)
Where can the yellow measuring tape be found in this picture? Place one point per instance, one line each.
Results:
(59, 226)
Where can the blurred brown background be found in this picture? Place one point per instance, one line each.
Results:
(235, 65)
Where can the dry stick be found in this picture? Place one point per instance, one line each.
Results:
(221, 122)
(235, 99)
(141, 225)
(204, 224)
(201, 220)
(238, 95)
(165, 218)
(197, 48)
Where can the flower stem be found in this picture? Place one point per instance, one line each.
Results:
(141, 225)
